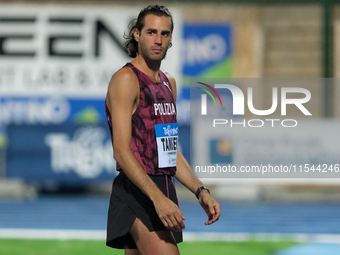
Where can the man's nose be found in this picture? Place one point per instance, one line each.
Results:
(158, 39)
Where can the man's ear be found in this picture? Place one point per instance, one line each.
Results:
(136, 35)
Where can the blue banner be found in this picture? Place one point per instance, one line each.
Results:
(60, 153)
(208, 50)
(35, 110)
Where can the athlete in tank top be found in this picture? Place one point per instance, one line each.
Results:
(141, 101)
(154, 125)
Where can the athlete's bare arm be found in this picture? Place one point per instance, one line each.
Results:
(191, 182)
(188, 179)
(122, 100)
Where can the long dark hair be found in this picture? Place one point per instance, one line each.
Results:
(132, 45)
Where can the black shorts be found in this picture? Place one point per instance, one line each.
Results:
(128, 202)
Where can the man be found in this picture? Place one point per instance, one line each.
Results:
(144, 217)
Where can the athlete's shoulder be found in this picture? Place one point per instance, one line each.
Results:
(123, 77)
(123, 85)
(124, 74)
(170, 77)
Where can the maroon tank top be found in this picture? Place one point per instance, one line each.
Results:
(157, 107)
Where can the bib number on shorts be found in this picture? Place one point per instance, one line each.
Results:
(167, 141)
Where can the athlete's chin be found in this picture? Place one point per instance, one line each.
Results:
(157, 57)
(163, 55)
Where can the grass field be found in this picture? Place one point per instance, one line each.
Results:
(88, 247)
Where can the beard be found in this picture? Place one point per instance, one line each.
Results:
(149, 54)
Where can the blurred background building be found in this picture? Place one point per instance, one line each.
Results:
(57, 57)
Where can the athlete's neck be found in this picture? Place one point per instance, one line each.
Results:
(149, 67)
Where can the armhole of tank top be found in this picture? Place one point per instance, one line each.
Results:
(132, 68)
(167, 79)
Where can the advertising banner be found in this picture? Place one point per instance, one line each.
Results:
(72, 154)
(67, 50)
(36, 110)
(208, 50)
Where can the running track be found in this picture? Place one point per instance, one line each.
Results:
(239, 220)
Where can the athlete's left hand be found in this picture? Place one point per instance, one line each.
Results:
(210, 206)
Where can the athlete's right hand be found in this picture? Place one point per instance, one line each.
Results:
(170, 214)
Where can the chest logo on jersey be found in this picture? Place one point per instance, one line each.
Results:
(165, 109)
(167, 85)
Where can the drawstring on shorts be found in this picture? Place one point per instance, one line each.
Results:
(167, 185)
